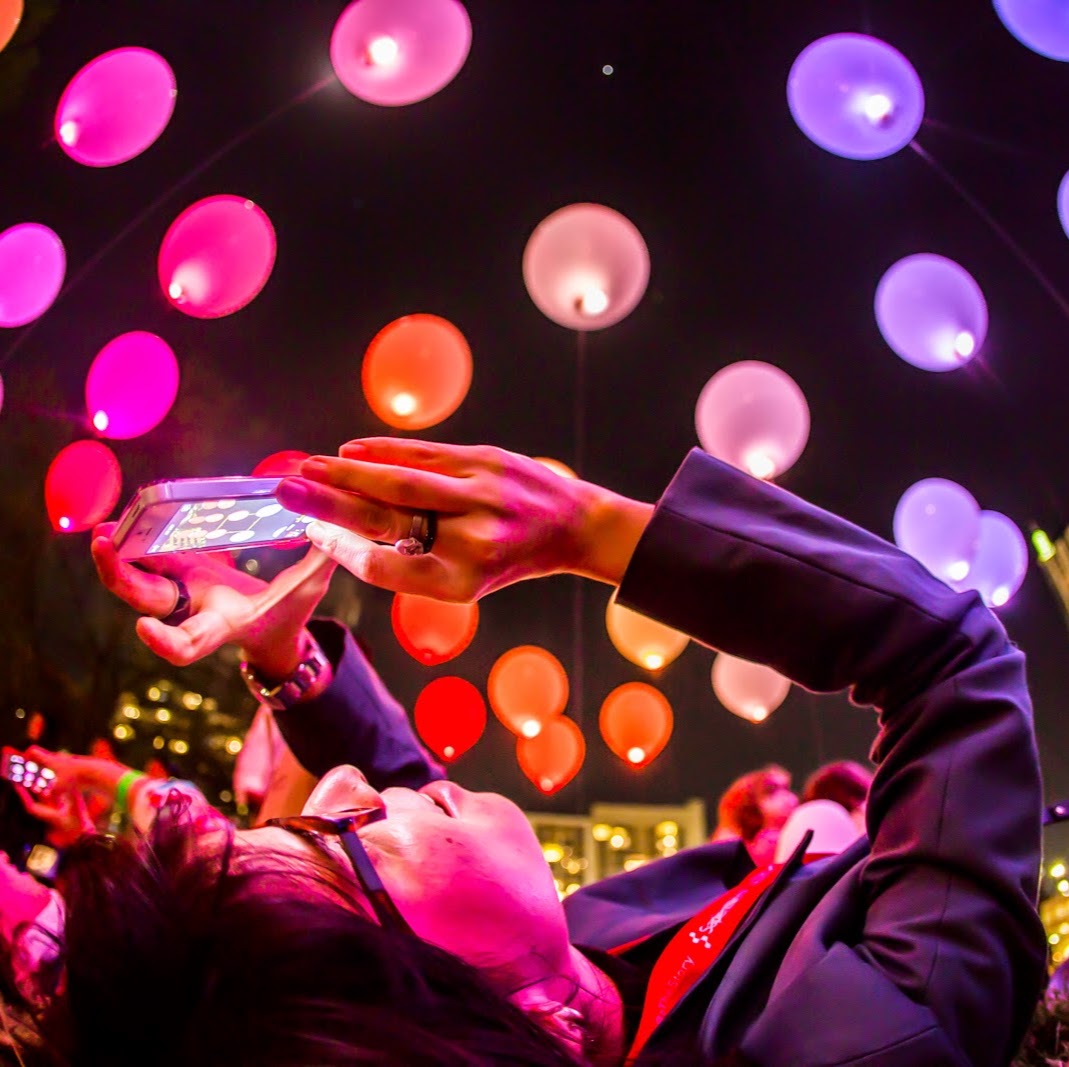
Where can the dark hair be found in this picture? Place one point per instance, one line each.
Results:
(845, 782)
(176, 955)
(739, 807)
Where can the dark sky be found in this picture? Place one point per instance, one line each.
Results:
(762, 246)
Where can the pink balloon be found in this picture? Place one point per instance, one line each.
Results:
(115, 107)
(750, 690)
(586, 266)
(82, 486)
(753, 416)
(394, 52)
(131, 385)
(216, 256)
(32, 265)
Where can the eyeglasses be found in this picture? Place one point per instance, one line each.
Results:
(344, 827)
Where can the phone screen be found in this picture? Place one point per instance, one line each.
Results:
(28, 773)
(228, 523)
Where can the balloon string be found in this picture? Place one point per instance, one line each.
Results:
(578, 699)
(87, 267)
(1000, 231)
(977, 138)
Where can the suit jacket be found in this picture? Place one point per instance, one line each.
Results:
(923, 948)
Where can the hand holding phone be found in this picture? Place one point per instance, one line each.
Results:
(19, 769)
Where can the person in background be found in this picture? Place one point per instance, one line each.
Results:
(846, 783)
(754, 808)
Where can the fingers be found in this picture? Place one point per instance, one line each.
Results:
(369, 518)
(198, 636)
(454, 460)
(152, 594)
(396, 485)
(47, 813)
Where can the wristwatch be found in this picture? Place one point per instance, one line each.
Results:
(286, 693)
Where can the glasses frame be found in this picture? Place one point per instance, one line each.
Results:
(344, 827)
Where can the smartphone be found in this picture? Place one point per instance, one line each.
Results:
(206, 515)
(43, 863)
(21, 770)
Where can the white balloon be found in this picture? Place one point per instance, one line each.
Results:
(750, 690)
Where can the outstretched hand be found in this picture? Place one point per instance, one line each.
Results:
(229, 605)
(502, 517)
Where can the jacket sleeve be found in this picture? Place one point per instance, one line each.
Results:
(954, 811)
(355, 720)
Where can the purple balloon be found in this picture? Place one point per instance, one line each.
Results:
(931, 312)
(938, 523)
(855, 96)
(131, 385)
(394, 52)
(1042, 25)
(1001, 560)
(1063, 202)
(32, 265)
(115, 107)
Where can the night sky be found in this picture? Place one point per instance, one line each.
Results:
(762, 246)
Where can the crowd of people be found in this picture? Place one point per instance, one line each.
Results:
(889, 918)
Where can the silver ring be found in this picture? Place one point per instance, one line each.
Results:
(421, 534)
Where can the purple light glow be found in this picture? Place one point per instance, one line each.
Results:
(395, 52)
(32, 265)
(855, 96)
(216, 256)
(1001, 560)
(115, 107)
(586, 266)
(753, 416)
(131, 385)
(931, 312)
(1042, 25)
(938, 523)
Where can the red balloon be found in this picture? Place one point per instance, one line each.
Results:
(433, 631)
(416, 371)
(82, 486)
(527, 686)
(636, 722)
(552, 758)
(10, 15)
(280, 464)
(450, 716)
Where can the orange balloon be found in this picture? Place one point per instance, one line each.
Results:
(10, 16)
(450, 716)
(641, 640)
(417, 370)
(280, 464)
(636, 722)
(432, 631)
(527, 686)
(556, 466)
(552, 758)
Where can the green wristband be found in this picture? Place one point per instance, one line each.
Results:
(122, 791)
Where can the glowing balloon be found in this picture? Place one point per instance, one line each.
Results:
(753, 416)
(433, 631)
(855, 96)
(586, 266)
(417, 371)
(1001, 560)
(938, 523)
(1, 394)
(10, 16)
(750, 690)
(131, 385)
(636, 722)
(115, 107)
(931, 312)
(556, 466)
(216, 256)
(32, 265)
(450, 717)
(641, 640)
(527, 687)
(553, 757)
(394, 52)
(82, 486)
(1041, 25)
(280, 464)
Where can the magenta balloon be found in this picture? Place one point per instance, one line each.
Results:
(1041, 25)
(115, 107)
(750, 690)
(131, 385)
(753, 416)
(931, 312)
(938, 523)
(1001, 560)
(32, 265)
(586, 266)
(216, 256)
(855, 96)
(394, 52)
